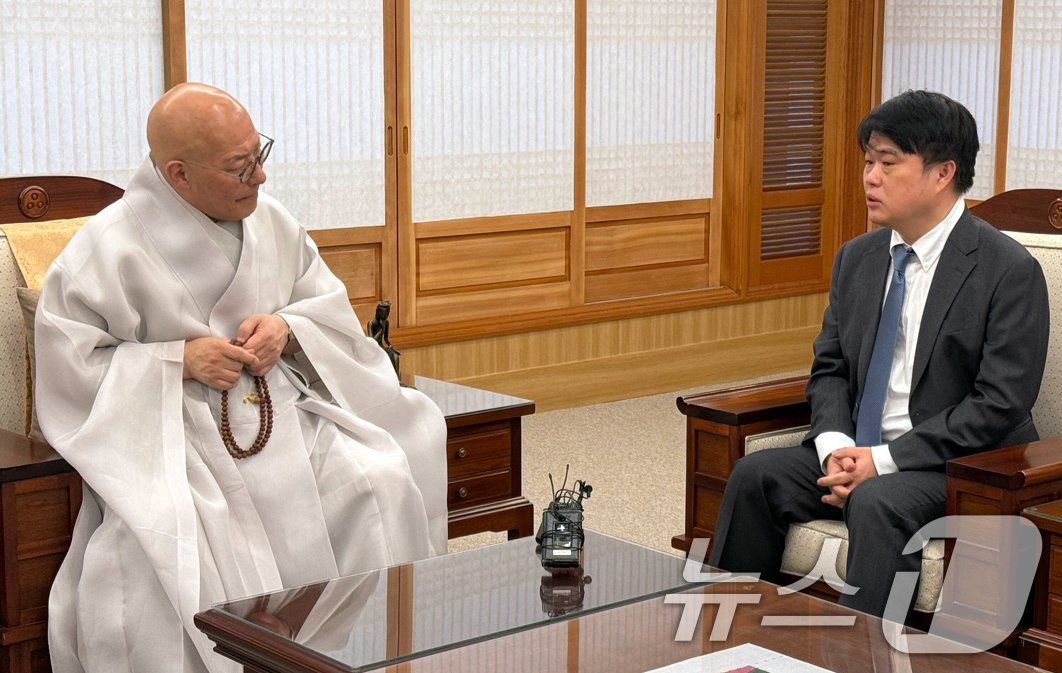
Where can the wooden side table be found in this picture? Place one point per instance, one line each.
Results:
(1041, 643)
(483, 458)
(39, 498)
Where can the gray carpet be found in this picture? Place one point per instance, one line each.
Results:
(633, 452)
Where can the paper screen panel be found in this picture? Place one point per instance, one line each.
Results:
(1034, 156)
(650, 101)
(952, 48)
(492, 107)
(79, 79)
(313, 80)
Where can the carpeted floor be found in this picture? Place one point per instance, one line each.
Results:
(633, 452)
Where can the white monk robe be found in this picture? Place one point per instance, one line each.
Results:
(353, 477)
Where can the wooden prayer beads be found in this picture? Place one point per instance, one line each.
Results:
(265, 421)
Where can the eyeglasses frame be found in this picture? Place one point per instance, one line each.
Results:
(244, 174)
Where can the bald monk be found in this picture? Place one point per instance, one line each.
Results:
(201, 368)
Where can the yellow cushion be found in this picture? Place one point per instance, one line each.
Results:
(36, 244)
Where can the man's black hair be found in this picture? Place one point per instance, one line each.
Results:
(928, 124)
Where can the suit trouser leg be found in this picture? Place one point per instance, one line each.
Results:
(882, 514)
(767, 491)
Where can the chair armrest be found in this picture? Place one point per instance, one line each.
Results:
(1006, 480)
(760, 402)
(717, 424)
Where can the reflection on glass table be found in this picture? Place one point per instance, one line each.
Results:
(378, 618)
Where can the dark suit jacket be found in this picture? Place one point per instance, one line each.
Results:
(980, 354)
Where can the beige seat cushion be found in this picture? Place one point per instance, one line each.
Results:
(27, 301)
(803, 545)
(776, 439)
(32, 246)
(1047, 412)
(13, 371)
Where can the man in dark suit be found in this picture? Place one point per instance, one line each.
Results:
(932, 347)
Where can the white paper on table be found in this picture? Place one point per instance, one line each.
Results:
(738, 659)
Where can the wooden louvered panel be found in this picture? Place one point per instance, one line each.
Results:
(794, 94)
(790, 232)
(808, 87)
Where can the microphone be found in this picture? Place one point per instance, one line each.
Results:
(560, 535)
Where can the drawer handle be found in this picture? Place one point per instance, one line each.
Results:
(462, 492)
(462, 452)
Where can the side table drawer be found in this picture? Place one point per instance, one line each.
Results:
(1050, 657)
(466, 492)
(478, 449)
(38, 520)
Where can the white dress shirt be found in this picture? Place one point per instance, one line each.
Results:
(896, 418)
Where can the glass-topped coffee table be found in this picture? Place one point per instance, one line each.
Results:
(376, 619)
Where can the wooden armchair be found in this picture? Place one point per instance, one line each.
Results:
(723, 426)
(39, 492)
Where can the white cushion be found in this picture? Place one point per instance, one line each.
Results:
(1047, 412)
(12, 345)
(776, 439)
(803, 545)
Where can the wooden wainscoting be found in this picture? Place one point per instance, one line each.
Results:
(478, 269)
(506, 268)
(599, 362)
(491, 266)
(356, 256)
(648, 249)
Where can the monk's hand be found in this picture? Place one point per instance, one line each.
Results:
(215, 362)
(845, 469)
(267, 336)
